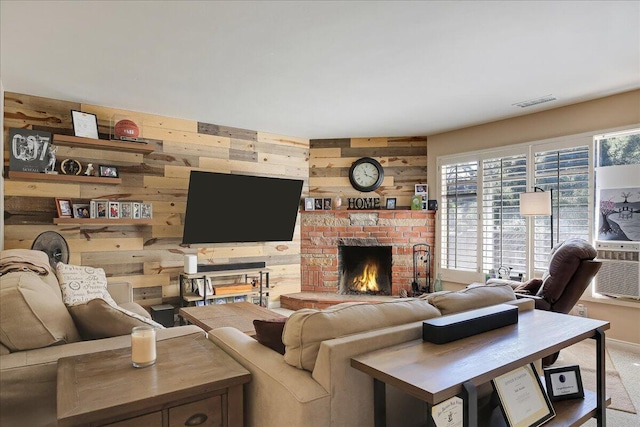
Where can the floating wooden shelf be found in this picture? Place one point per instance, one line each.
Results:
(103, 144)
(63, 178)
(102, 221)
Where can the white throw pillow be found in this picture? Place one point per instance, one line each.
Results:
(81, 284)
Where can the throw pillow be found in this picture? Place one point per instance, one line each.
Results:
(97, 319)
(81, 284)
(31, 314)
(269, 333)
(530, 287)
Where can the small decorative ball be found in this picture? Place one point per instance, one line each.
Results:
(126, 128)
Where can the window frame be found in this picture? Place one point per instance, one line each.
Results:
(528, 149)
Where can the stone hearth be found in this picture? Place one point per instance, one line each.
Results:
(322, 232)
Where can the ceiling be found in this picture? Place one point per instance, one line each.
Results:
(322, 69)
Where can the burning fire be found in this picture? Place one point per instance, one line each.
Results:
(366, 281)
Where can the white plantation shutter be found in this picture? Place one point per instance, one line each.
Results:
(504, 233)
(459, 217)
(567, 172)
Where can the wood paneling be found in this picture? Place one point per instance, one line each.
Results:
(150, 257)
(404, 160)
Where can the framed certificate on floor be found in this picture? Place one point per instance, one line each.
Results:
(523, 400)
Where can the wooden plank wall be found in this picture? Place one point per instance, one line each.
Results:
(150, 257)
(404, 160)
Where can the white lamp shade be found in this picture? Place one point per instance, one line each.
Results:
(538, 203)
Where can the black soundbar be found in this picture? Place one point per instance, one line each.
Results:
(441, 330)
(234, 266)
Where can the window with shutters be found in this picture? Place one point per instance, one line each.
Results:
(480, 222)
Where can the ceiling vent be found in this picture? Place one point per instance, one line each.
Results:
(531, 102)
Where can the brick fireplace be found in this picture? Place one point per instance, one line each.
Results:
(324, 233)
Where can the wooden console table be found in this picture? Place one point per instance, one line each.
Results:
(193, 382)
(434, 373)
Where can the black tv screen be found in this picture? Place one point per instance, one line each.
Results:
(225, 208)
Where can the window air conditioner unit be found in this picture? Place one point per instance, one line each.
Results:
(619, 275)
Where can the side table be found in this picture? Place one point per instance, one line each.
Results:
(193, 382)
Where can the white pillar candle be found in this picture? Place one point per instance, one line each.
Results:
(143, 346)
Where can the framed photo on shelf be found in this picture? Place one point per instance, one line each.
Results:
(64, 208)
(114, 210)
(564, 382)
(309, 204)
(523, 400)
(326, 204)
(135, 210)
(126, 210)
(101, 208)
(81, 210)
(84, 124)
(422, 189)
(146, 211)
(108, 171)
(391, 202)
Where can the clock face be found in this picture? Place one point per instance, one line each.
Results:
(366, 174)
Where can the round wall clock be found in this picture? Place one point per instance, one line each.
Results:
(366, 174)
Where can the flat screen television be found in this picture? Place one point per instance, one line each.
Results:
(226, 208)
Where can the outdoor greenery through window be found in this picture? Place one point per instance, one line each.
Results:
(483, 231)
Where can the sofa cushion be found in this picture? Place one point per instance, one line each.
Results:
(12, 260)
(468, 299)
(307, 328)
(31, 315)
(97, 319)
(269, 333)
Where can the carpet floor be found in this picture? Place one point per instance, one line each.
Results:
(583, 354)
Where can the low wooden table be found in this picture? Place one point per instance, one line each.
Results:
(192, 381)
(239, 315)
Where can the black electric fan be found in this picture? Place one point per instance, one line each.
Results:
(54, 245)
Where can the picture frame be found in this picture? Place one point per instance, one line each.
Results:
(135, 211)
(84, 124)
(146, 211)
(114, 210)
(126, 210)
(318, 204)
(81, 210)
(523, 400)
(101, 208)
(64, 208)
(432, 205)
(564, 382)
(421, 189)
(326, 204)
(309, 204)
(391, 203)
(108, 171)
(30, 150)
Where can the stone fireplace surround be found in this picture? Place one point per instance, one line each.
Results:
(323, 231)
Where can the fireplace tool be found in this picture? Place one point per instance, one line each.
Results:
(421, 269)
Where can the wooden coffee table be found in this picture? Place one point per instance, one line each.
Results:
(239, 315)
(192, 380)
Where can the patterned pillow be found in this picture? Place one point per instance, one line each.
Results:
(81, 284)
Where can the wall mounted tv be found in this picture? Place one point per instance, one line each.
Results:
(226, 208)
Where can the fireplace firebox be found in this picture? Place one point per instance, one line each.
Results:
(364, 270)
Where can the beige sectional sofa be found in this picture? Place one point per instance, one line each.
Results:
(36, 329)
(314, 384)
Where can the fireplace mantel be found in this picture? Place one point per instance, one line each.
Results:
(323, 231)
